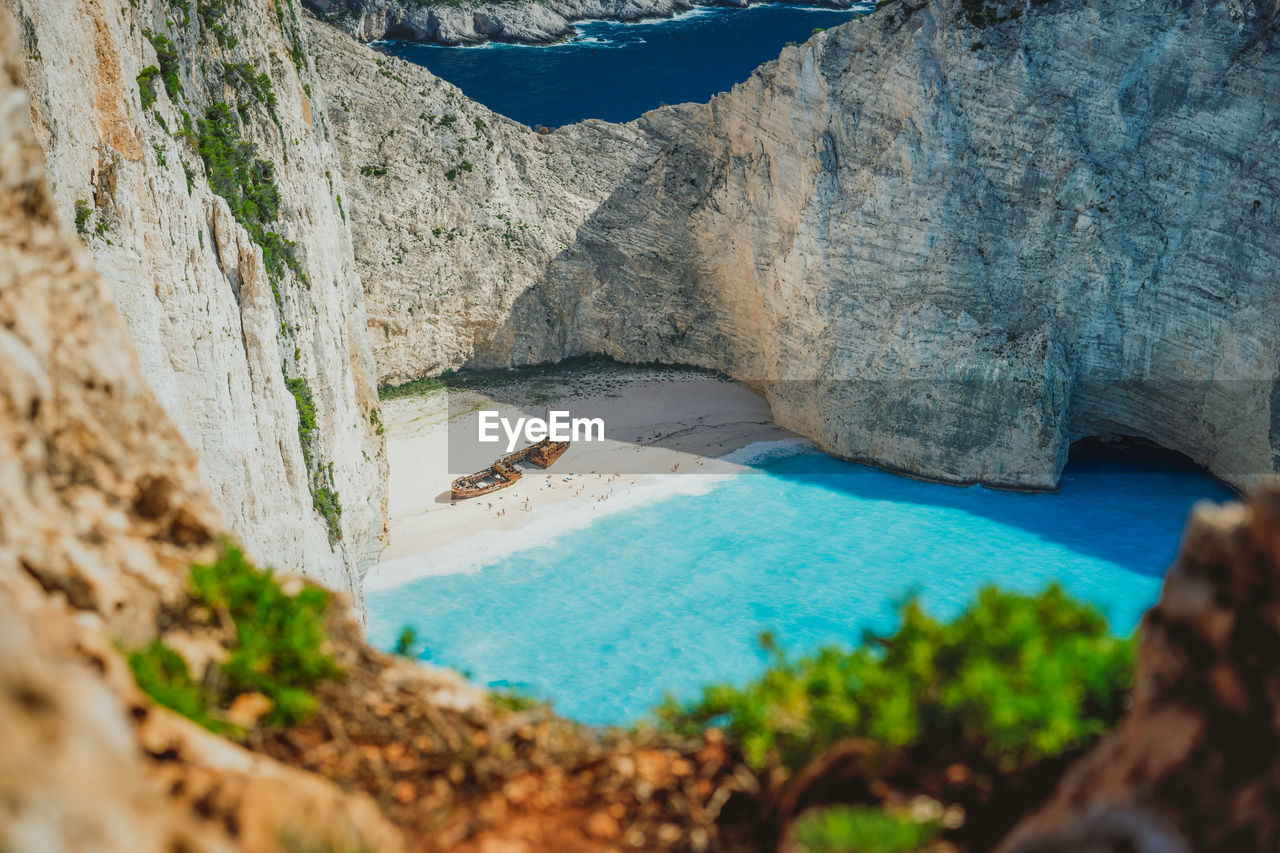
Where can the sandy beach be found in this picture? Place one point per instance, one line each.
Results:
(668, 431)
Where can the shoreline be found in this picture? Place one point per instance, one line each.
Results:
(669, 432)
(525, 24)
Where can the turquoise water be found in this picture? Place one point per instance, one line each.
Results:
(617, 71)
(670, 596)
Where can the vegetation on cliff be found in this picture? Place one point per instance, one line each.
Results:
(1013, 679)
(320, 477)
(970, 712)
(275, 643)
(248, 185)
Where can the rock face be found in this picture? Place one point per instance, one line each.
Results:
(121, 97)
(1193, 766)
(455, 210)
(471, 22)
(101, 511)
(946, 240)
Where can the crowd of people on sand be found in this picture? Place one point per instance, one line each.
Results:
(577, 482)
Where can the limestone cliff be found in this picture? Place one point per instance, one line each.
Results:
(221, 234)
(102, 511)
(455, 210)
(951, 247)
(949, 238)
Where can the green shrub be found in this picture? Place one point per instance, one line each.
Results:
(277, 648)
(147, 86)
(406, 641)
(512, 699)
(212, 14)
(323, 497)
(324, 500)
(370, 170)
(844, 829)
(1013, 679)
(83, 212)
(170, 64)
(306, 414)
(246, 80)
(162, 674)
(247, 184)
(278, 636)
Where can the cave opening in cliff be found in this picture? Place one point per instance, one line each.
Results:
(1134, 453)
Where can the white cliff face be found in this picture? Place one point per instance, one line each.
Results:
(188, 277)
(455, 210)
(946, 242)
(951, 250)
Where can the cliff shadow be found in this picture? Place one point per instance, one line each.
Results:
(1123, 500)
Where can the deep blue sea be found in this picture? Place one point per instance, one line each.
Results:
(670, 596)
(619, 71)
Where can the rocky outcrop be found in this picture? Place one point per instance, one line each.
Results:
(239, 288)
(1193, 766)
(101, 511)
(951, 247)
(949, 239)
(455, 210)
(523, 22)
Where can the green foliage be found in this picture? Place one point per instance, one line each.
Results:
(247, 184)
(147, 86)
(512, 700)
(83, 212)
(845, 829)
(277, 648)
(325, 501)
(418, 387)
(983, 14)
(278, 636)
(1011, 680)
(406, 641)
(170, 64)
(306, 414)
(184, 7)
(212, 17)
(370, 170)
(323, 497)
(162, 674)
(243, 77)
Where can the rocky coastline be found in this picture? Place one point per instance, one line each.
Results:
(534, 22)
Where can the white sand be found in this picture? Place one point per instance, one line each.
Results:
(687, 421)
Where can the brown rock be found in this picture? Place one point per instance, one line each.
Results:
(1196, 761)
(247, 708)
(603, 826)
